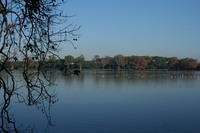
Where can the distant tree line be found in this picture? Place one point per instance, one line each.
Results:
(118, 62)
(143, 63)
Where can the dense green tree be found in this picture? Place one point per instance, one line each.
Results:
(120, 61)
(89, 64)
(68, 60)
(173, 63)
(97, 61)
(80, 60)
(106, 61)
(198, 67)
(116, 62)
(188, 64)
(159, 62)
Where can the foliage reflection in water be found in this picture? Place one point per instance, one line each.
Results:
(40, 96)
(24, 110)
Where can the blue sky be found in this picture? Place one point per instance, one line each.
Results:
(135, 27)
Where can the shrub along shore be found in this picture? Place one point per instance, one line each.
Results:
(118, 62)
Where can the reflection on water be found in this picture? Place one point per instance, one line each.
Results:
(121, 77)
(14, 93)
(106, 102)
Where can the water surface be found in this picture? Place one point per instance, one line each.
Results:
(118, 102)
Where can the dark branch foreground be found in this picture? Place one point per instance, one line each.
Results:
(29, 30)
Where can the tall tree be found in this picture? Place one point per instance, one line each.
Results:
(68, 61)
(97, 60)
(120, 61)
(80, 60)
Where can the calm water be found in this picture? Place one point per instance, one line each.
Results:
(117, 102)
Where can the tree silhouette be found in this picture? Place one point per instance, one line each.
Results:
(30, 32)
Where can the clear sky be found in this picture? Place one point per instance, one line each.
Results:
(136, 27)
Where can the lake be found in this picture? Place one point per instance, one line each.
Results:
(116, 102)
